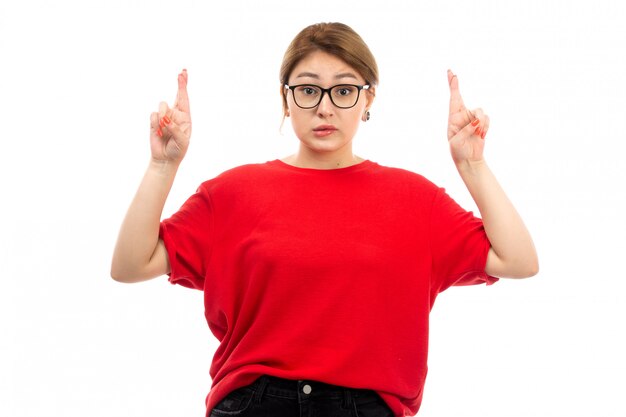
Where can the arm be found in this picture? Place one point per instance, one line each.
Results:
(139, 254)
(512, 253)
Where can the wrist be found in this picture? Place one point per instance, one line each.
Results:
(163, 167)
(470, 167)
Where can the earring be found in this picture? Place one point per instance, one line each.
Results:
(366, 116)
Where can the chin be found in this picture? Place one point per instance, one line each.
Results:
(326, 147)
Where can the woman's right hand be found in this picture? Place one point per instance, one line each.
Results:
(170, 129)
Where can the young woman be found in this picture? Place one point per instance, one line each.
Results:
(319, 270)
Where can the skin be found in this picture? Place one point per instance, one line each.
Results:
(335, 150)
(512, 253)
(140, 255)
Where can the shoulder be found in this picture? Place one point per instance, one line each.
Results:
(245, 171)
(405, 177)
(242, 175)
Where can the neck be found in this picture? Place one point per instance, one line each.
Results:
(303, 159)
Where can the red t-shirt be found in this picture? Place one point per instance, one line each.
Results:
(327, 275)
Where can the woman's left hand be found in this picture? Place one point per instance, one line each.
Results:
(466, 129)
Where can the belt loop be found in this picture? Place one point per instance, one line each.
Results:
(347, 398)
(258, 393)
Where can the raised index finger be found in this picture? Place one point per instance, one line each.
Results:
(456, 102)
(182, 98)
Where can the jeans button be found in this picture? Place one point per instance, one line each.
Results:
(306, 389)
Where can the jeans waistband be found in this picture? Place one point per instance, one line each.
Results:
(301, 389)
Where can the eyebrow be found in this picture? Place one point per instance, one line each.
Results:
(317, 77)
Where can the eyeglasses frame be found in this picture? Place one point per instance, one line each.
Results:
(327, 91)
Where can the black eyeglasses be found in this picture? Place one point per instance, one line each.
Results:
(344, 96)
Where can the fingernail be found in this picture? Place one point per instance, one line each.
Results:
(162, 122)
(483, 135)
(159, 132)
(475, 122)
(477, 131)
(167, 120)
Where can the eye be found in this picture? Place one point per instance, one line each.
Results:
(345, 90)
(308, 90)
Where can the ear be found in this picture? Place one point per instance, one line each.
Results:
(284, 100)
(370, 94)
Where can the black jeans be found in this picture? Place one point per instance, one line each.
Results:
(270, 396)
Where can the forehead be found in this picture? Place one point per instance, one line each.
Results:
(325, 67)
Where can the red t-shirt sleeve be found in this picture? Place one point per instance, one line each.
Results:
(187, 238)
(459, 245)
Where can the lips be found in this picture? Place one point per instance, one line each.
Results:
(324, 130)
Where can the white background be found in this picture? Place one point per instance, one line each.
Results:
(78, 81)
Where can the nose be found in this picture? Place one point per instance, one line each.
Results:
(326, 107)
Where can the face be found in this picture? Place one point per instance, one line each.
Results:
(326, 130)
